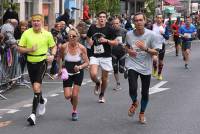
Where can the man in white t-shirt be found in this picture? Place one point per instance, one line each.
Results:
(162, 33)
(141, 45)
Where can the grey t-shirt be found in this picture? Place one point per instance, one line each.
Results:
(142, 63)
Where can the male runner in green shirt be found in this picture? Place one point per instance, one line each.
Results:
(35, 42)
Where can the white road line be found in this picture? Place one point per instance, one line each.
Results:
(88, 81)
(1, 117)
(27, 105)
(9, 111)
(53, 95)
(157, 88)
(12, 111)
(84, 83)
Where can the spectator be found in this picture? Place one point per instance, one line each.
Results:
(65, 17)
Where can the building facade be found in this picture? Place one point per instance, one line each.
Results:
(76, 9)
(49, 8)
(131, 6)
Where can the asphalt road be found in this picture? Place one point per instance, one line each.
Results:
(173, 107)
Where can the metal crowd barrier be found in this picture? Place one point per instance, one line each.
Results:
(10, 70)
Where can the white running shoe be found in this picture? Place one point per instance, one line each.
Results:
(42, 108)
(102, 100)
(31, 119)
(117, 88)
(97, 89)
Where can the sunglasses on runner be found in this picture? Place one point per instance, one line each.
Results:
(72, 36)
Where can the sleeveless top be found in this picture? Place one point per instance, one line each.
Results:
(72, 60)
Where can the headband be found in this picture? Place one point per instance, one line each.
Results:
(37, 17)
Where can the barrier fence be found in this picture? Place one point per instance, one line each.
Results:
(10, 69)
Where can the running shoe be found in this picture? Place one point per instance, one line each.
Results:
(159, 77)
(102, 99)
(31, 119)
(126, 74)
(97, 89)
(142, 118)
(118, 87)
(132, 109)
(154, 73)
(74, 116)
(42, 107)
(186, 66)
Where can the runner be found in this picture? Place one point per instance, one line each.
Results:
(118, 52)
(177, 39)
(188, 33)
(141, 45)
(101, 37)
(162, 33)
(35, 42)
(75, 60)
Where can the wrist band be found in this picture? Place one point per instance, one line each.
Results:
(147, 49)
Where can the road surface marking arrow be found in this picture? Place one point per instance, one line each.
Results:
(157, 88)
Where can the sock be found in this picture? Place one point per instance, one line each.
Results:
(155, 65)
(41, 99)
(101, 94)
(36, 99)
(98, 83)
(160, 67)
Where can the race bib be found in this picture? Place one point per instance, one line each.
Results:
(188, 35)
(98, 49)
(119, 39)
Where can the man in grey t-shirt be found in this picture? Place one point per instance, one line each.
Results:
(141, 46)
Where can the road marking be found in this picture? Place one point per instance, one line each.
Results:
(9, 111)
(83, 83)
(157, 88)
(53, 95)
(89, 81)
(5, 123)
(27, 105)
(12, 111)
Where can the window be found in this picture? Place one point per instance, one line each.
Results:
(28, 9)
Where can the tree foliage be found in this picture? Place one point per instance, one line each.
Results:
(14, 6)
(149, 7)
(110, 6)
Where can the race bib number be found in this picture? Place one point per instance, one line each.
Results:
(98, 49)
(119, 39)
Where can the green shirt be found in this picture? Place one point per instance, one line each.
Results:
(44, 40)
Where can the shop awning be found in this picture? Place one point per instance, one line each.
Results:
(172, 2)
(169, 9)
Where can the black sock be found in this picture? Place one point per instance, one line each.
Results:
(101, 94)
(41, 99)
(36, 99)
(98, 83)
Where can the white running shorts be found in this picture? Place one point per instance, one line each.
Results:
(104, 63)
